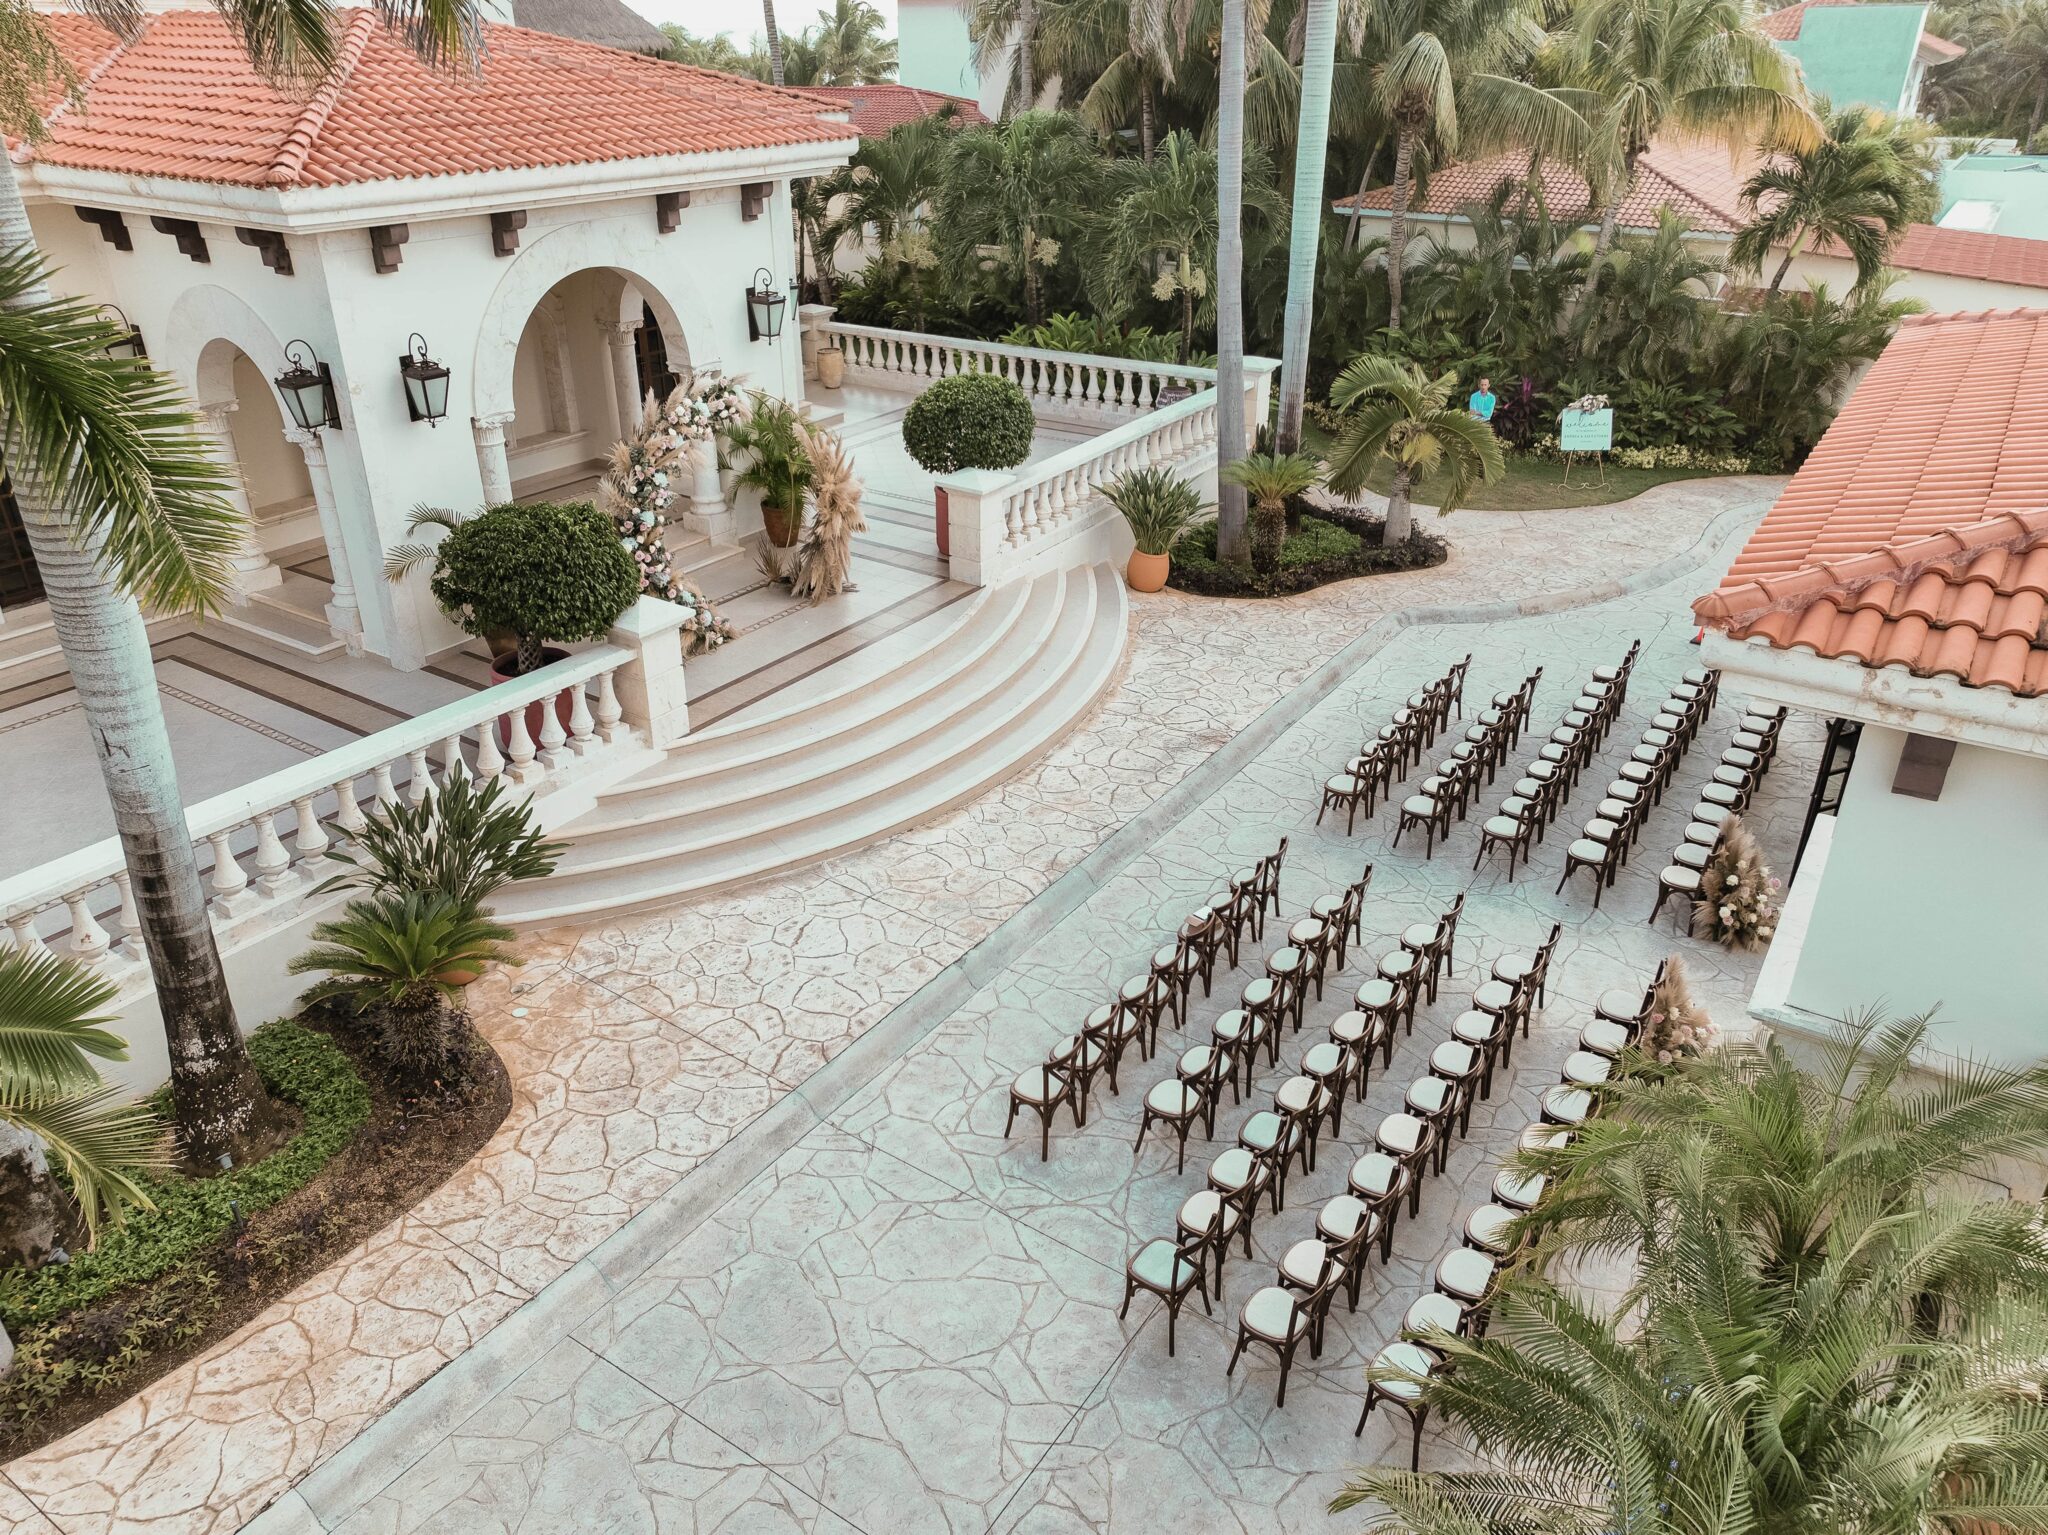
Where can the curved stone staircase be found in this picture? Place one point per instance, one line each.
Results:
(881, 740)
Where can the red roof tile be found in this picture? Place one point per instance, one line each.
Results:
(1699, 183)
(183, 101)
(1917, 533)
(1972, 253)
(875, 109)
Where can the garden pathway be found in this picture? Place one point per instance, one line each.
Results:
(899, 1308)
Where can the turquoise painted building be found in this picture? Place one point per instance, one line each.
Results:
(1874, 55)
(933, 51)
(1996, 194)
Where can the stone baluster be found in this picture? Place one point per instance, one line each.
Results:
(228, 882)
(421, 783)
(311, 839)
(519, 747)
(581, 738)
(272, 861)
(387, 791)
(22, 926)
(128, 919)
(490, 762)
(349, 819)
(453, 765)
(553, 738)
(609, 713)
(89, 942)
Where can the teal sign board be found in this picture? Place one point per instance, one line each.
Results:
(1586, 431)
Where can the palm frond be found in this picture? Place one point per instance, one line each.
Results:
(51, 1012)
(103, 1140)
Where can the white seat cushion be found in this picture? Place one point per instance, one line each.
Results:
(1506, 827)
(1518, 1191)
(1305, 932)
(1274, 1312)
(1195, 1061)
(1204, 1209)
(1492, 996)
(1166, 956)
(1684, 877)
(1232, 1169)
(1374, 1174)
(1567, 1105)
(1406, 1358)
(1453, 1059)
(1032, 1086)
(1306, 1262)
(1488, 1225)
(1586, 1068)
(1174, 1099)
(1418, 804)
(1544, 1137)
(1586, 850)
(1321, 1060)
(1703, 834)
(1431, 1312)
(1690, 855)
(1375, 994)
(1230, 1026)
(1401, 962)
(1418, 935)
(1399, 1134)
(1350, 1027)
(1619, 1002)
(1464, 1274)
(1428, 1095)
(1299, 1093)
(1603, 1037)
(1341, 1216)
(1159, 1265)
(1343, 783)
(1475, 1027)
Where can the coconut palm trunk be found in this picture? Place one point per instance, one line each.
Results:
(1230, 422)
(1397, 225)
(1027, 79)
(774, 41)
(1610, 216)
(1355, 236)
(1311, 147)
(1145, 119)
(221, 1107)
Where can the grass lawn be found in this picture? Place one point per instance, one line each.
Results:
(1531, 484)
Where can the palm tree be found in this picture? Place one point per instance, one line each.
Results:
(775, 69)
(1230, 417)
(1271, 480)
(1023, 185)
(888, 189)
(2000, 87)
(1311, 148)
(1120, 46)
(1869, 177)
(52, 1102)
(1448, 74)
(1653, 308)
(1393, 410)
(1697, 66)
(1823, 1329)
(124, 503)
(1006, 40)
(1510, 291)
(853, 45)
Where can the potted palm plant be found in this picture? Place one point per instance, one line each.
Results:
(384, 961)
(1158, 504)
(968, 421)
(1270, 479)
(772, 458)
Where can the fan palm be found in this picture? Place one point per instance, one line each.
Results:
(1023, 185)
(1270, 479)
(1393, 410)
(1700, 67)
(1869, 177)
(1451, 71)
(123, 502)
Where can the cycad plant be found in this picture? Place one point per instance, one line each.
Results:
(1393, 410)
(1157, 503)
(1824, 1329)
(462, 840)
(392, 962)
(1269, 480)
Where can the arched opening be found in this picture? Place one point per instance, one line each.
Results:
(272, 467)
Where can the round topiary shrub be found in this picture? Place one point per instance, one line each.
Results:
(549, 572)
(969, 421)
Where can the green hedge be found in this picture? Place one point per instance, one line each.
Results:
(299, 1066)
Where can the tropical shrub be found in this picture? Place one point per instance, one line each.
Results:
(969, 421)
(394, 962)
(1271, 480)
(1157, 503)
(1393, 410)
(463, 840)
(776, 458)
(547, 573)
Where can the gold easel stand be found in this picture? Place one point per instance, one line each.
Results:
(1599, 459)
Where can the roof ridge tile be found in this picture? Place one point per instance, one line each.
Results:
(289, 163)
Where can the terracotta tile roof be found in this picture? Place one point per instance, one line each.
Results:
(1917, 533)
(1696, 182)
(183, 101)
(875, 109)
(1969, 253)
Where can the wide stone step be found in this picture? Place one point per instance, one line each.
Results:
(1059, 643)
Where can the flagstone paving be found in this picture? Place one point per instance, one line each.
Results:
(906, 1321)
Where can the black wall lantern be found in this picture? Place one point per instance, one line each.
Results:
(128, 344)
(307, 385)
(426, 382)
(765, 306)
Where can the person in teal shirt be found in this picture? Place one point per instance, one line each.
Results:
(1482, 402)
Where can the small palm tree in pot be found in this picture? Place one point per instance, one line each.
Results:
(1158, 504)
(1270, 479)
(774, 458)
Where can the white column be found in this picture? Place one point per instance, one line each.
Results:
(491, 459)
(650, 690)
(708, 513)
(253, 570)
(810, 319)
(625, 373)
(344, 618)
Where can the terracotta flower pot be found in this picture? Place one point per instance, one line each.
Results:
(458, 977)
(1147, 572)
(505, 668)
(939, 523)
(781, 525)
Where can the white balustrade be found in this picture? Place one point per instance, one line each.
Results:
(83, 904)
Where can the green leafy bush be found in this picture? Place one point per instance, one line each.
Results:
(1330, 546)
(1157, 503)
(301, 1067)
(548, 573)
(969, 421)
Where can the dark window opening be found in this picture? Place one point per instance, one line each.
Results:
(20, 581)
(650, 357)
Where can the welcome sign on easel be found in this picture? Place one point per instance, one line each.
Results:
(1586, 427)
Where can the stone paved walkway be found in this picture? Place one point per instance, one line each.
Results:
(903, 1320)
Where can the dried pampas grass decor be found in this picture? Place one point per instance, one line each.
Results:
(1738, 906)
(824, 551)
(1678, 1028)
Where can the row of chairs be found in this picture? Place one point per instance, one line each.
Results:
(1067, 1074)
(1468, 1276)
(1539, 795)
(1724, 796)
(1610, 836)
(1400, 745)
(1446, 794)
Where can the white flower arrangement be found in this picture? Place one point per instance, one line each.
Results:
(1586, 404)
(639, 486)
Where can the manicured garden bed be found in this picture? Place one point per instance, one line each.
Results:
(170, 1282)
(1330, 545)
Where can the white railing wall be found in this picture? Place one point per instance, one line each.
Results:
(1074, 385)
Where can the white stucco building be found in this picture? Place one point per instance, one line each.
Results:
(563, 229)
(1899, 589)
